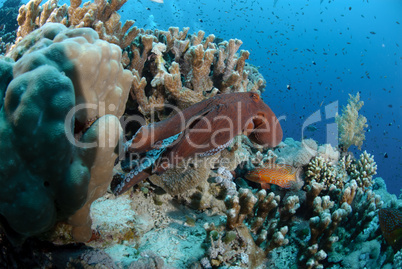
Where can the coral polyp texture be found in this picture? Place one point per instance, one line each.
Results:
(57, 160)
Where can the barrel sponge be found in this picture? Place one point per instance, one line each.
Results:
(45, 174)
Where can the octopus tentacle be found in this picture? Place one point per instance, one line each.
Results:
(206, 128)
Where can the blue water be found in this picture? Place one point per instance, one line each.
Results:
(324, 51)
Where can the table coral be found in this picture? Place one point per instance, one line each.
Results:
(59, 175)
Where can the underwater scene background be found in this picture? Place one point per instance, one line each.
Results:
(323, 49)
(81, 83)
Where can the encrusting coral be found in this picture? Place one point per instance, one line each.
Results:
(70, 163)
(351, 124)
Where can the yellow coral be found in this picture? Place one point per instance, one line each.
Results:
(350, 124)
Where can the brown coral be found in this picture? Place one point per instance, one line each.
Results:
(101, 15)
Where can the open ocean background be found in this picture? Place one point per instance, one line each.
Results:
(323, 49)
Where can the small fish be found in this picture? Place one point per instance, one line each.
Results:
(283, 175)
(311, 128)
(158, 1)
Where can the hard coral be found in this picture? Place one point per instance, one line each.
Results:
(101, 16)
(190, 69)
(363, 170)
(54, 165)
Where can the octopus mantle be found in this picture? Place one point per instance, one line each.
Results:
(201, 130)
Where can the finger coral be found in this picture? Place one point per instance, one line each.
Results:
(199, 69)
(363, 170)
(101, 16)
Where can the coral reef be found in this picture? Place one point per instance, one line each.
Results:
(70, 162)
(320, 219)
(101, 16)
(296, 153)
(351, 124)
(171, 67)
(158, 59)
(194, 215)
(8, 26)
(330, 173)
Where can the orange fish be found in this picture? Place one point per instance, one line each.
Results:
(283, 175)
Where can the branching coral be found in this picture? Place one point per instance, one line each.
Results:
(321, 219)
(334, 199)
(189, 69)
(257, 221)
(363, 170)
(351, 125)
(322, 171)
(101, 15)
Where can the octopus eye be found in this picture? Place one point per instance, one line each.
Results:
(254, 96)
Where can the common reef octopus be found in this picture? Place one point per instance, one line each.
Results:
(200, 130)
